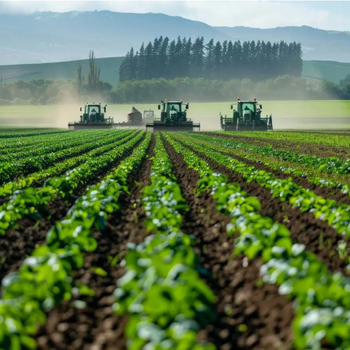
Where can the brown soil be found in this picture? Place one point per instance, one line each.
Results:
(299, 147)
(248, 316)
(18, 243)
(316, 235)
(96, 326)
(75, 153)
(335, 194)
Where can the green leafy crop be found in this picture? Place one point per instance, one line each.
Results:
(322, 299)
(162, 292)
(31, 200)
(45, 278)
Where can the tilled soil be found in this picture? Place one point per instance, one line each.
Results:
(317, 236)
(4, 200)
(40, 182)
(15, 245)
(335, 194)
(18, 243)
(249, 316)
(96, 327)
(299, 147)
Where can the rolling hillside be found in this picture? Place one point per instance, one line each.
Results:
(329, 70)
(61, 70)
(332, 71)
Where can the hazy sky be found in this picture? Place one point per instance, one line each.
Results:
(264, 14)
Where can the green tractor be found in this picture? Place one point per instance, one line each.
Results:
(173, 117)
(247, 117)
(93, 117)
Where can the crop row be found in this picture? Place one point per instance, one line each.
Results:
(323, 139)
(31, 200)
(162, 292)
(106, 145)
(10, 170)
(10, 144)
(45, 278)
(248, 152)
(9, 134)
(331, 165)
(328, 210)
(53, 145)
(321, 299)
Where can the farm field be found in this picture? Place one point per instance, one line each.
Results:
(310, 115)
(122, 239)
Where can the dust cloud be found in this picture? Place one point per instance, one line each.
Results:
(69, 111)
(287, 115)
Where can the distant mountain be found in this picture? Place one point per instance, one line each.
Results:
(52, 37)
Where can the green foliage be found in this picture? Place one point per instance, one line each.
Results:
(182, 58)
(326, 70)
(50, 91)
(99, 147)
(337, 216)
(195, 89)
(215, 90)
(317, 165)
(31, 201)
(305, 137)
(45, 279)
(322, 299)
(162, 292)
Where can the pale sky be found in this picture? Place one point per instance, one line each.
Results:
(264, 14)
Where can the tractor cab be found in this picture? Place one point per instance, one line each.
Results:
(247, 112)
(173, 111)
(246, 116)
(173, 117)
(93, 113)
(93, 117)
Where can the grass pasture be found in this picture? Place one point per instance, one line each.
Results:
(61, 70)
(329, 70)
(309, 115)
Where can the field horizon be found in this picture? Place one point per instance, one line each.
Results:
(319, 114)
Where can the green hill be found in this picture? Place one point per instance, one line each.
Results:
(333, 71)
(329, 70)
(62, 70)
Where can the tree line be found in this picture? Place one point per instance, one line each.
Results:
(255, 60)
(90, 87)
(46, 92)
(90, 83)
